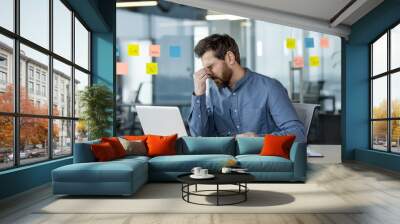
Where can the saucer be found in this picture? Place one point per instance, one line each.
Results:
(208, 176)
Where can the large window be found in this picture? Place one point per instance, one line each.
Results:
(40, 83)
(385, 94)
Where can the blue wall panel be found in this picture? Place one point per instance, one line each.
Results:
(356, 99)
(24, 178)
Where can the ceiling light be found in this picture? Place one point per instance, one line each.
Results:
(224, 17)
(136, 4)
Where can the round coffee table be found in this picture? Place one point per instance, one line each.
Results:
(238, 179)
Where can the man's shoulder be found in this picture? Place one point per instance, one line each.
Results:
(265, 79)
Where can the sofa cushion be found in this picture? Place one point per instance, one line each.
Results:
(249, 145)
(116, 145)
(207, 145)
(103, 152)
(161, 145)
(277, 145)
(132, 158)
(111, 171)
(135, 147)
(185, 163)
(257, 163)
(135, 137)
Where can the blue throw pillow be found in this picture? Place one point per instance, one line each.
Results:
(249, 145)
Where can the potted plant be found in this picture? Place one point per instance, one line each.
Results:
(96, 104)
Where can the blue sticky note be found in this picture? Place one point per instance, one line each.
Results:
(174, 51)
(309, 42)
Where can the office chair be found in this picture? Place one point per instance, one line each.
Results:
(306, 113)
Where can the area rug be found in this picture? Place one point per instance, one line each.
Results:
(167, 198)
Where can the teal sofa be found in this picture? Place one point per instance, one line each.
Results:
(125, 176)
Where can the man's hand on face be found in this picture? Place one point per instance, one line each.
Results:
(200, 78)
(247, 134)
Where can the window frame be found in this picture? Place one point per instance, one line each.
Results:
(388, 74)
(16, 115)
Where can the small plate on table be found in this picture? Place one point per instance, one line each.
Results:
(208, 176)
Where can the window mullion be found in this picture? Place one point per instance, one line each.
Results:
(16, 83)
(50, 81)
(73, 82)
(389, 106)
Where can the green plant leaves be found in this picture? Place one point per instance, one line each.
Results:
(97, 105)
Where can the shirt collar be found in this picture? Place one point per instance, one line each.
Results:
(241, 81)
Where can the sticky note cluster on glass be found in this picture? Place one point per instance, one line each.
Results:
(153, 51)
(313, 61)
(308, 42)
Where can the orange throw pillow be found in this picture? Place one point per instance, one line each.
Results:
(103, 152)
(135, 137)
(161, 145)
(275, 145)
(116, 145)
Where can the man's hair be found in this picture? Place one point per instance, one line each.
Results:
(220, 44)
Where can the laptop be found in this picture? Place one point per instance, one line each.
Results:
(161, 120)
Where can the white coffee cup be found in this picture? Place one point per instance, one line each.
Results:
(203, 172)
(196, 170)
(226, 170)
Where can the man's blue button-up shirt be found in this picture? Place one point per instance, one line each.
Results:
(256, 104)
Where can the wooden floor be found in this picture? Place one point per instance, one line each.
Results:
(377, 188)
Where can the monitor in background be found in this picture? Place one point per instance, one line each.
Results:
(160, 120)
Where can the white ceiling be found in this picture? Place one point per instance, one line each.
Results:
(321, 9)
(314, 15)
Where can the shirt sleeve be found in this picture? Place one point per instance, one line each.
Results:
(200, 119)
(284, 114)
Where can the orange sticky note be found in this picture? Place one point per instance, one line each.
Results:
(314, 61)
(122, 68)
(324, 42)
(151, 68)
(133, 50)
(298, 62)
(154, 50)
(290, 43)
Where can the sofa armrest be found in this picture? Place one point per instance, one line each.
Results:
(298, 155)
(83, 152)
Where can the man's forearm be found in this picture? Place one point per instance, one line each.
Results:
(293, 129)
(198, 119)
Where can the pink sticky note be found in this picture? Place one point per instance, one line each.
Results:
(324, 42)
(122, 68)
(298, 62)
(154, 50)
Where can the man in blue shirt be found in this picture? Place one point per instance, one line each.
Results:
(239, 102)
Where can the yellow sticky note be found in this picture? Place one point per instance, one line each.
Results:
(314, 61)
(152, 68)
(290, 43)
(133, 50)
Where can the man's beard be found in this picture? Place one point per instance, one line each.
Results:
(223, 81)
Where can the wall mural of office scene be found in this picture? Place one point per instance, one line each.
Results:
(156, 62)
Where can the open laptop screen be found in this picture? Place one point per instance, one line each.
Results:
(161, 120)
